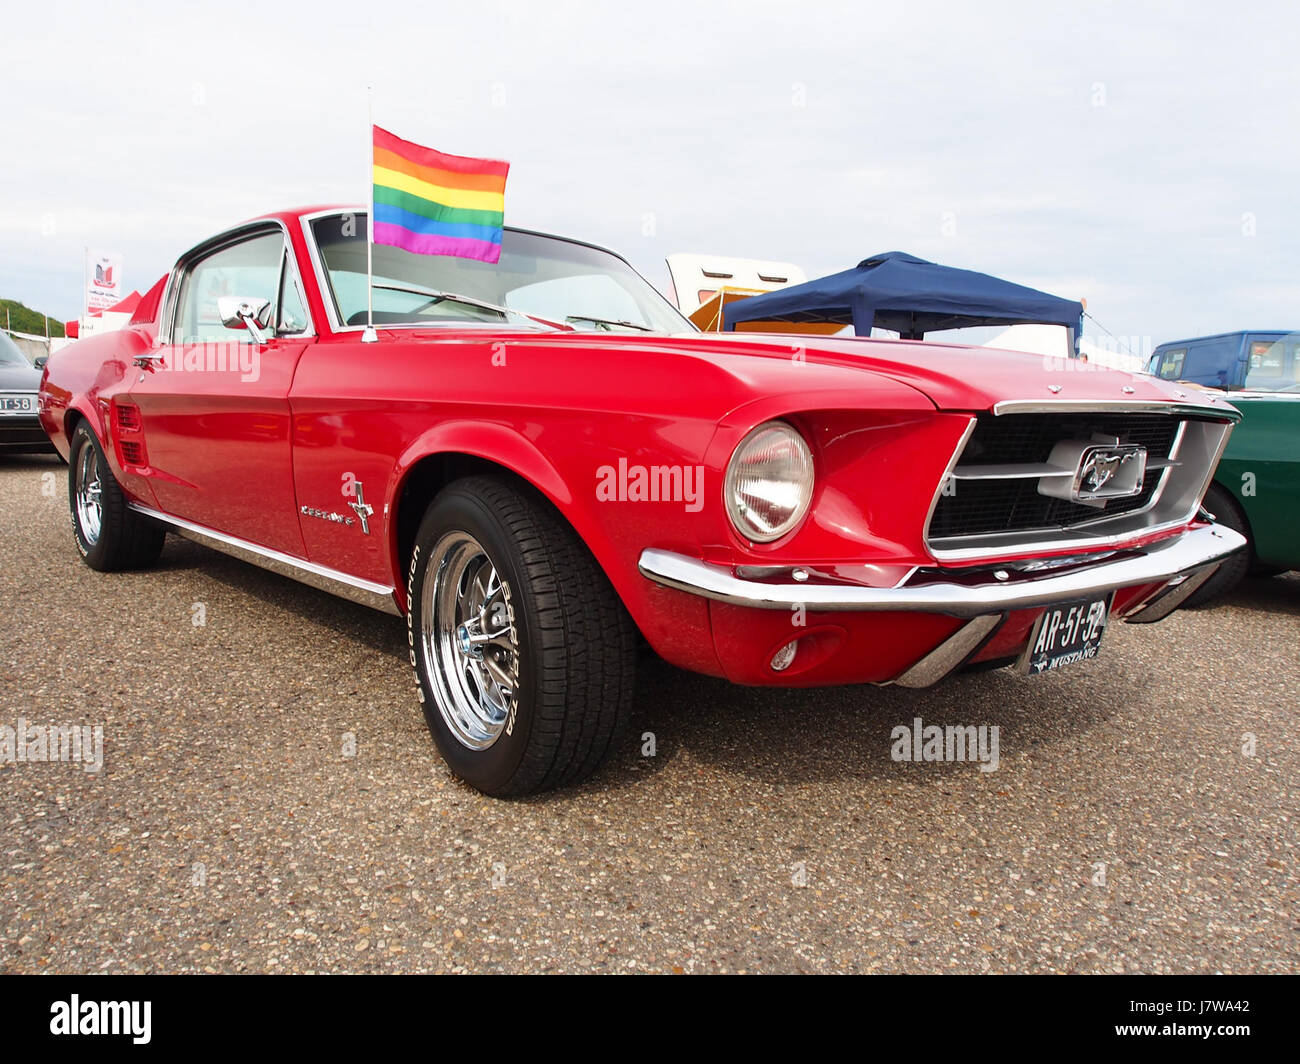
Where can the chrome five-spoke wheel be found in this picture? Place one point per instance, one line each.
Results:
(470, 644)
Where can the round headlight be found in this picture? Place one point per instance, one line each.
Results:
(769, 482)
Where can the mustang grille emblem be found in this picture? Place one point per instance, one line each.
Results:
(1101, 467)
(1110, 472)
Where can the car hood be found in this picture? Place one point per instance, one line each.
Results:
(19, 378)
(952, 376)
(961, 377)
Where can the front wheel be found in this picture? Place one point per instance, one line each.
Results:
(110, 536)
(1219, 501)
(523, 652)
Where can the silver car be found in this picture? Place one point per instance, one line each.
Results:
(20, 426)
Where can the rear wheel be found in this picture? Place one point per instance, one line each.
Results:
(523, 652)
(109, 535)
(1219, 501)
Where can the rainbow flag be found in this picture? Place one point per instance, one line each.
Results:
(436, 204)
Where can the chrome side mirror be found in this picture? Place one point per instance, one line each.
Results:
(251, 314)
(39, 361)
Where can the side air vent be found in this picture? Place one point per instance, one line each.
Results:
(128, 417)
(127, 424)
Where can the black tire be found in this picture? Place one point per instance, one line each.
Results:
(125, 539)
(1264, 570)
(1227, 512)
(572, 648)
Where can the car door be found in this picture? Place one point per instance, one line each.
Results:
(212, 400)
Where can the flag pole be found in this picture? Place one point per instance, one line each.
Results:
(370, 336)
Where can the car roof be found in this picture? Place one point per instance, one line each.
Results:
(1226, 335)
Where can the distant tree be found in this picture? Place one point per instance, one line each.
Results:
(23, 319)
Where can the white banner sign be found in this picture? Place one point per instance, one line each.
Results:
(103, 280)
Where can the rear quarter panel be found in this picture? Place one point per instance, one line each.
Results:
(81, 381)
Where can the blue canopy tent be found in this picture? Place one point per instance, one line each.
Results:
(910, 296)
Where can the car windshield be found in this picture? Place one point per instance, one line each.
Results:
(1274, 366)
(9, 353)
(557, 280)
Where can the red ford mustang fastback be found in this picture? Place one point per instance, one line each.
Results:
(538, 462)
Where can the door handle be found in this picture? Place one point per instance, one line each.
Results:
(149, 358)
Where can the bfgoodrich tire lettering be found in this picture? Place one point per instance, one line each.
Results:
(109, 535)
(556, 627)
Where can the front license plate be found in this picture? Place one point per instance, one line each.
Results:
(1067, 633)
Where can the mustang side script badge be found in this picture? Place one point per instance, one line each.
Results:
(324, 515)
(363, 510)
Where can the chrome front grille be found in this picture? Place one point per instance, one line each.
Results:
(992, 500)
(990, 503)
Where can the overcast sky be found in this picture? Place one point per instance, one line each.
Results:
(1143, 156)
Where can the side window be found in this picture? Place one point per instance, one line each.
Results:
(1269, 368)
(1267, 359)
(250, 270)
(1171, 363)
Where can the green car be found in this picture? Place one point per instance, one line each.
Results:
(1256, 489)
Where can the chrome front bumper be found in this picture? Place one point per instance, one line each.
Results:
(1181, 562)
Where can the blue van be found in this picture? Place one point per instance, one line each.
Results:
(1248, 359)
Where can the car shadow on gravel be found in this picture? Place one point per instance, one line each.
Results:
(1268, 594)
(381, 632)
(784, 736)
(794, 736)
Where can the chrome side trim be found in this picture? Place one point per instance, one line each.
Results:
(352, 588)
(1213, 407)
(949, 654)
(1160, 562)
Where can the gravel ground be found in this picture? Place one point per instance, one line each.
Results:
(270, 800)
